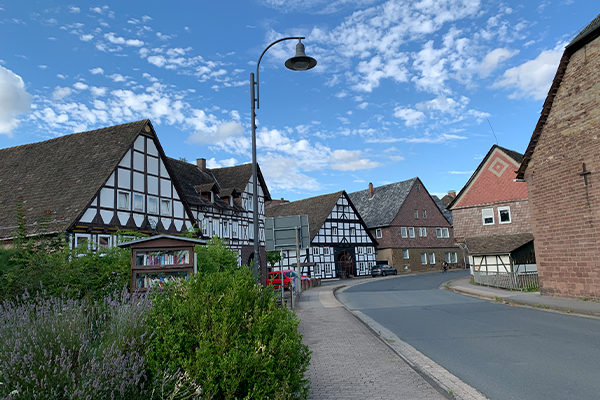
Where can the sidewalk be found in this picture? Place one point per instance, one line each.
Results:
(350, 361)
(533, 299)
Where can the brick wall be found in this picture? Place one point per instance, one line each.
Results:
(414, 261)
(565, 211)
(468, 222)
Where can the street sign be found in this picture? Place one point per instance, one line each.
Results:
(281, 232)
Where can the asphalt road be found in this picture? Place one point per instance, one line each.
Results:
(506, 352)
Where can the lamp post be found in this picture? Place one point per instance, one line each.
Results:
(300, 62)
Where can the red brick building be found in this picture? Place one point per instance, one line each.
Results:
(561, 167)
(491, 216)
(412, 232)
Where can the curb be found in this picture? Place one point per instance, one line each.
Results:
(446, 383)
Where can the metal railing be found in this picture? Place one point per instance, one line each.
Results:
(508, 280)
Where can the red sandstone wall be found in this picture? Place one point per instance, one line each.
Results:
(565, 211)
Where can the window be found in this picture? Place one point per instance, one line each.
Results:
(152, 205)
(378, 233)
(447, 257)
(225, 229)
(488, 216)
(439, 232)
(504, 215)
(352, 231)
(446, 232)
(326, 250)
(124, 201)
(454, 258)
(424, 258)
(422, 232)
(103, 242)
(405, 254)
(431, 258)
(418, 187)
(138, 202)
(334, 230)
(416, 214)
(328, 268)
(234, 229)
(411, 232)
(165, 207)
(403, 232)
(315, 250)
(424, 214)
(251, 231)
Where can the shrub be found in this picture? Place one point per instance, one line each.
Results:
(227, 333)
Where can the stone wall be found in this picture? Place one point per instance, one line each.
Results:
(565, 202)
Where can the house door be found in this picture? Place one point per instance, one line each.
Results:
(345, 264)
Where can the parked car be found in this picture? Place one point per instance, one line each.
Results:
(274, 278)
(383, 270)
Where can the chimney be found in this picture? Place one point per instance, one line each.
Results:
(201, 163)
(370, 190)
(452, 193)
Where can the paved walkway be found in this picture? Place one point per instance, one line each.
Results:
(349, 361)
(363, 360)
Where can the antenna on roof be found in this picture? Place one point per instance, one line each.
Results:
(493, 131)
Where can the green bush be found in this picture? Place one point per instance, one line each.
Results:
(227, 333)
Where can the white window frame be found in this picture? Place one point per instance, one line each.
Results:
(315, 251)
(439, 233)
(224, 229)
(423, 258)
(154, 201)
(424, 214)
(165, 207)
(504, 208)
(446, 233)
(352, 231)
(326, 251)
(121, 204)
(234, 229)
(137, 196)
(250, 202)
(405, 254)
(334, 230)
(107, 237)
(411, 232)
(432, 258)
(454, 257)
(403, 232)
(422, 232)
(487, 213)
(416, 214)
(447, 257)
(378, 233)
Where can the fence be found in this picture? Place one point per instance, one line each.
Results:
(507, 280)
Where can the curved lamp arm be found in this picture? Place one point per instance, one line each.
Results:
(260, 58)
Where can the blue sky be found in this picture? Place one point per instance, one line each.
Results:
(401, 89)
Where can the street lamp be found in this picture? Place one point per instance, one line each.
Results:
(300, 62)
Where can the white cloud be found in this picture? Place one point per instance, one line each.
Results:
(350, 160)
(60, 93)
(283, 173)
(86, 38)
(493, 59)
(96, 71)
(461, 172)
(80, 86)
(228, 162)
(532, 78)
(74, 10)
(14, 100)
(410, 116)
(216, 134)
(120, 40)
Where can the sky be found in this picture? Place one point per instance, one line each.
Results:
(402, 88)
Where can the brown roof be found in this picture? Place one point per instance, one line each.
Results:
(589, 33)
(237, 178)
(191, 178)
(60, 175)
(317, 208)
(497, 244)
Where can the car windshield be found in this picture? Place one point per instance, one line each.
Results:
(290, 273)
(275, 275)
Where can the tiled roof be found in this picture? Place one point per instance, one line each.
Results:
(189, 176)
(237, 178)
(60, 175)
(496, 244)
(384, 206)
(317, 208)
(447, 213)
(588, 30)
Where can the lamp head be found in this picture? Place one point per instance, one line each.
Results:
(300, 62)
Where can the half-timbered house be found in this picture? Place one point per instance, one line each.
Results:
(92, 184)
(340, 243)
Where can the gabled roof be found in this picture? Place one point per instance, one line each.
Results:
(589, 33)
(517, 157)
(440, 204)
(317, 208)
(61, 175)
(382, 208)
(237, 178)
(496, 244)
(189, 177)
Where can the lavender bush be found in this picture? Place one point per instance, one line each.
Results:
(59, 348)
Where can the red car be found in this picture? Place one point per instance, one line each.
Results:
(274, 278)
